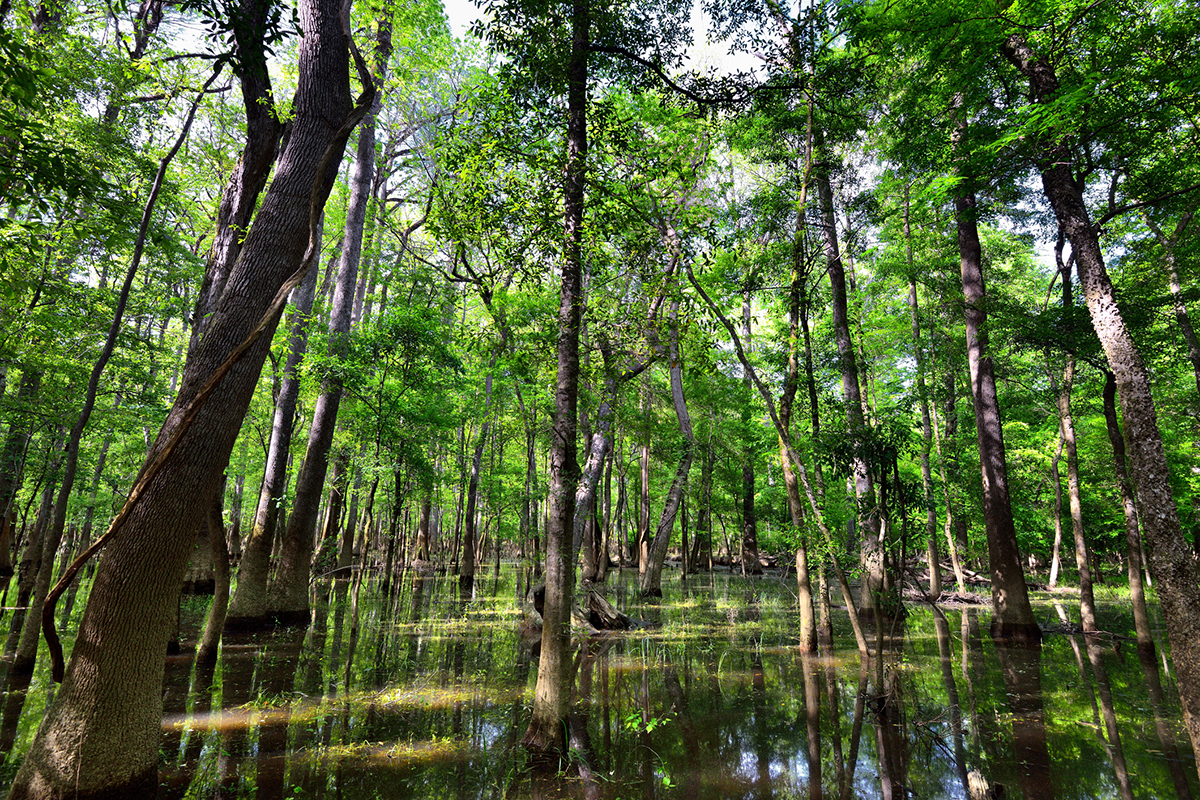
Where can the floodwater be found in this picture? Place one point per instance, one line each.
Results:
(428, 695)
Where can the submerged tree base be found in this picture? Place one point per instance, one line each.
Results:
(1013, 633)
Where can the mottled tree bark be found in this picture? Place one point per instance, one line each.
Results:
(1170, 558)
(99, 737)
(1133, 538)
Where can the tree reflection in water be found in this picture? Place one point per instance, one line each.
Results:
(714, 701)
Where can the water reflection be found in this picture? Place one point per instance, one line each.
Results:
(429, 694)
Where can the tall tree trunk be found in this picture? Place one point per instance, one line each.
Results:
(808, 624)
(643, 530)
(749, 559)
(214, 623)
(263, 131)
(1056, 478)
(866, 520)
(1013, 616)
(650, 582)
(100, 735)
(1171, 562)
(546, 735)
(1169, 244)
(289, 595)
(1087, 601)
(248, 605)
(12, 462)
(466, 568)
(1133, 538)
(935, 569)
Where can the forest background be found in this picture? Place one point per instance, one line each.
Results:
(758, 252)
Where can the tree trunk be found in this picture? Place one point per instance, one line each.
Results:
(866, 521)
(100, 735)
(263, 131)
(1056, 478)
(1170, 558)
(289, 594)
(650, 582)
(248, 606)
(1013, 616)
(935, 569)
(1133, 538)
(749, 547)
(1087, 601)
(546, 736)
(214, 623)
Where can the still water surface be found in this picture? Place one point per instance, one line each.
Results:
(429, 695)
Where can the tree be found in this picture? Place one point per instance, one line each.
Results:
(114, 678)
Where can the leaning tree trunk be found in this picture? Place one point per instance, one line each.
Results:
(546, 735)
(100, 735)
(1171, 562)
(1013, 616)
(264, 127)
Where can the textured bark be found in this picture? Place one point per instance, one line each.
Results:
(288, 599)
(1170, 558)
(263, 131)
(12, 463)
(248, 606)
(866, 521)
(1087, 600)
(1013, 616)
(214, 623)
(546, 735)
(100, 735)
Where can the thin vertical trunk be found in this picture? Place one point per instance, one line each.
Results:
(546, 735)
(866, 520)
(1169, 244)
(248, 605)
(1056, 478)
(1133, 538)
(935, 569)
(1087, 601)
(749, 546)
(650, 582)
(1013, 616)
